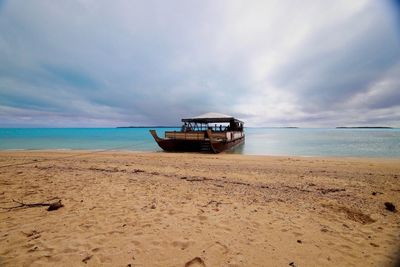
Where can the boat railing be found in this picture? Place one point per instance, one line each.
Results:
(201, 135)
(186, 135)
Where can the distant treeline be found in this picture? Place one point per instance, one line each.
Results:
(364, 127)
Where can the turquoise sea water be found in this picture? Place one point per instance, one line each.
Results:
(259, 141)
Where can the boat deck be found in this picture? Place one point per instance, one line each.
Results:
(202, 135)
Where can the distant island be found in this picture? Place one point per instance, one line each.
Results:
(364, 127)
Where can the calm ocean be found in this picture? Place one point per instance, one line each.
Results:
(259, 141)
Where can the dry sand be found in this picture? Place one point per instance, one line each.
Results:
(161, 209)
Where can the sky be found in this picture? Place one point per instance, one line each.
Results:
(95, 63)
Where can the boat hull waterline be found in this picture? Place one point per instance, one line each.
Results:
(209, 132)
(208, 145)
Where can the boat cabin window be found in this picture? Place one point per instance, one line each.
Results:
(193, 126)
(220, 127)
(215, 127)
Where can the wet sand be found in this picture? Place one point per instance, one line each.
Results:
(164, 209)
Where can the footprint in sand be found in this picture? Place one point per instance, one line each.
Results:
(202, 217)
(182, 244)
(297, 234)
(172, 212)
(195, 262)
(218, 248)
(346, 247)
(135, 242)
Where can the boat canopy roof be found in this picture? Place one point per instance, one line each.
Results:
(211, 117)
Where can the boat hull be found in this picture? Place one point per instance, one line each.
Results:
(220, 146)
(206, 146)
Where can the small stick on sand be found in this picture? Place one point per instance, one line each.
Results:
(51, 206)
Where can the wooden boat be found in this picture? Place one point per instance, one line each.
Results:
(210, 132)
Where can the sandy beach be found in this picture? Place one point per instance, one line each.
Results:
(165, 209)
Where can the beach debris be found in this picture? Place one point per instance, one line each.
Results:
(299, 241)
(376, 193)
(111, 170)
(330, 190)
(33, 249)
(194, 179)
(374, 245)
(51, 206)
(390, 206)
(55, 205)
(87, 258)
(217, 203)
(240, 183)
(292, 264)
(324, 230)
(357, 216)
(352, 214)
(196, 260)
(31, 233)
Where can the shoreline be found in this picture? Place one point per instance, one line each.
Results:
(183, 209)
(84, 151)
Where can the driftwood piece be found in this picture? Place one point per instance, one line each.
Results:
(55, 205)
(51, 206)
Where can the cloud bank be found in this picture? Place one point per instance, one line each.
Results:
(271, 63)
